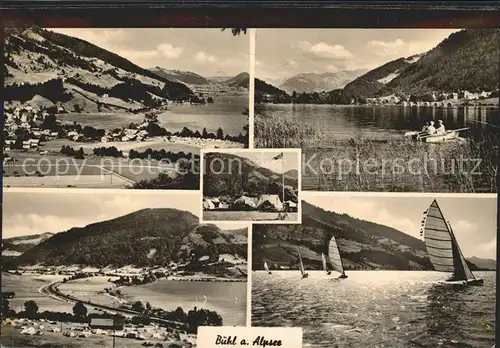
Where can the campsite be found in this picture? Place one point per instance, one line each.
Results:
(249, 185)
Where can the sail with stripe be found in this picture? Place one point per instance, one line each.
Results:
(301, 265)
(442, 247)
(266, 267)
(323, 259)
(334, 256)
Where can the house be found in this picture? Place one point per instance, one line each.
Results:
(26, 144)
(54, 134)
(270, 203)
(104, 139)
(106, 323)
(244, 203)
(291, 206)
(34, 142)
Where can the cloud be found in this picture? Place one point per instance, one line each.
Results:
(203, 57)
(487, 250)
(168, 51)
(322, 50)
(104, 38)
(387, 48)
(291, 64)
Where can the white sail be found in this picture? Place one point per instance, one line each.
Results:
(334, 256)
(323, 258)
(442, 247)
(302, 270)
(266, 267)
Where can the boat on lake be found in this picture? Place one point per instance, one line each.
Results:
(301, 266)
(450, 135)
(443, 249)
(266, 267)
(335, 259)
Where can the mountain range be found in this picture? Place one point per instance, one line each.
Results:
(144, 238)
(45, 68)
(466, 60)
(231, 175)
(362, 244)
(316, 82)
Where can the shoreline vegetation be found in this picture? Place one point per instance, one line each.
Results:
(455, 171)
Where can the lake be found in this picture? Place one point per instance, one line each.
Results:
(229, 299)
(226, 112)
(397, 309)
(342, 122)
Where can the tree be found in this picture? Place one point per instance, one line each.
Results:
(139, 306)
(5, 306)
(80, 154)
(79, 310)
(148, 306)
(220, 133)
(204, 133)
(31, 308)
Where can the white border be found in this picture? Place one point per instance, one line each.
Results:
(235, 151)
(251, 89)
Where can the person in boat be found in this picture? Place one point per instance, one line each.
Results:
(425, 126)
(440, 130)
(431, 130)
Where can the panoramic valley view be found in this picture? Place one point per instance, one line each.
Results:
(120, 108)
(369, 272)
(357, 101)
(135, 269)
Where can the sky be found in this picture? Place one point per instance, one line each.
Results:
(473, 219)
(38, 212)
(208, 52)
(283, 53)
(265, 159)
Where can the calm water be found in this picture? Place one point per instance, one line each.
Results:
(227, 299)
(226, 112)
(381, 122)
(395, 309)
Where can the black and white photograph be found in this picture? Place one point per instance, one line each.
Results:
(385, 110)
(120, 108)
(107, 268)
(261, 185)
(381, 271)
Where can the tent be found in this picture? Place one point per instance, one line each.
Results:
(208, 204)
(244, 203)
(270, 203)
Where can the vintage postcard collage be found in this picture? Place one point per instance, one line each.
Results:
(338, 180)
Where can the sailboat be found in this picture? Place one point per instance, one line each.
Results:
(442, 248)
(325, 268)
(266, 267)
(335, 259)
(302, 270)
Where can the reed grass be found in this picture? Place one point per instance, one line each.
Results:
(272, 131)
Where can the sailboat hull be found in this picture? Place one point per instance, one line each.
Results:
(469, 282)
(343, 276)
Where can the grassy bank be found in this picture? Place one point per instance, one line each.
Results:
(469, 166)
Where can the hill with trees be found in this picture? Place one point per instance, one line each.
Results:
(187, 77)
(231, 175)
(144, 238)
(78, 75)
(362, 244)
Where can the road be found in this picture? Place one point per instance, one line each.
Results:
(51, 290)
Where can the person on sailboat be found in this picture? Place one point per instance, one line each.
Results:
(440, 130)
(431, 130)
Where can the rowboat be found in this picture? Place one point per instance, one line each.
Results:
(451, 135)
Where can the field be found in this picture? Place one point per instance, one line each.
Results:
(90, 289)
(92, 172)
(245, 216)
